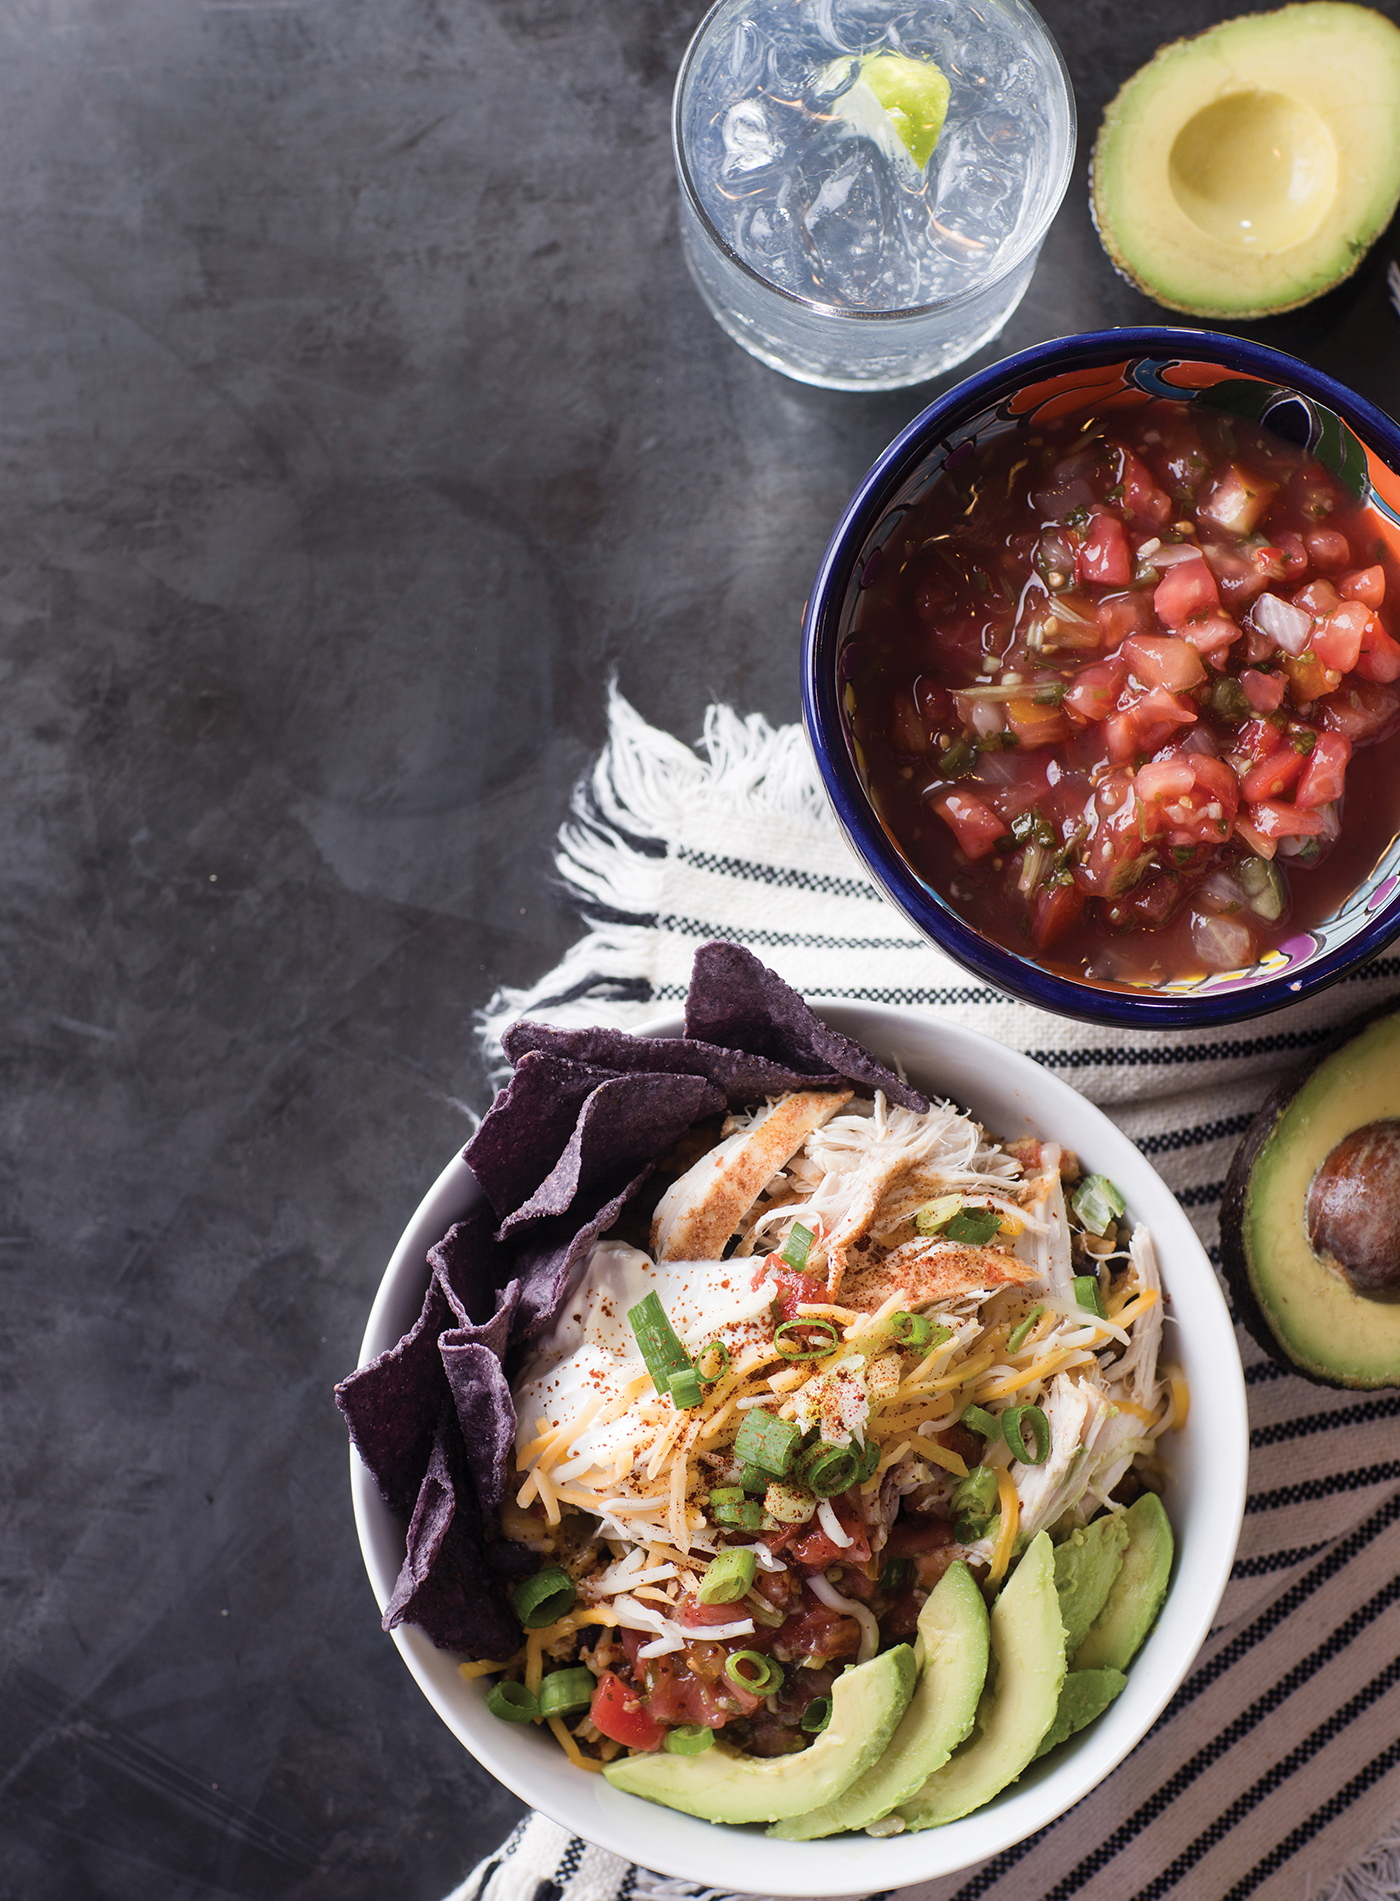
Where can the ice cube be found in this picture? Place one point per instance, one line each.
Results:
(749, 145)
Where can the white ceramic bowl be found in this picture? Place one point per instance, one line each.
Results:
(1013, 1097)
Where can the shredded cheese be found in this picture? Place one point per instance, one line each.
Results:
(473, 1670)
(1042, 1369)
(1181, 1396)
(940, 1455)
(571, 1748)
(1010, 1523)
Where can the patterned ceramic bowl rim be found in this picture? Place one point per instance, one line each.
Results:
(1360, 445)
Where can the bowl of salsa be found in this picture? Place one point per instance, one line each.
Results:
(1102, 674)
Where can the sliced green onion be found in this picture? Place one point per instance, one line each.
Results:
(688, 1739)
(657, 1338)
(754, 1672)
(896, 1574)
(916, 1330)
(1264, 887)
(968, 1530)
(798, 1246)
(977, 1494)
(686, 1390)
(513, 1703)
(702, 1359)
(544, 1598)
(793, 1339)
(1016, 1421)
(817, 1715)
(937, 1214)
(754, 1479)
(767, 1441)
(1021, 1333)
(1097, 1202)
(564, 1692)
(727, 1495)
(829, 1469)
(973, 1227)
(982, 1421)
(957, 760)
(869, 1459)
(727, 1577)
(1088, 1296)
(745, 1516)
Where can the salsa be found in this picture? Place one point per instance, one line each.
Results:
(1126, 691)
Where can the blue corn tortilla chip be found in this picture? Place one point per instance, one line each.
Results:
(471, 1266)
(392, 1406)
(485, 1411)
(737, 1001)
(553, 1252)
(626, 1120)
(448, 1586)
(526, 1129)
(743, 1078)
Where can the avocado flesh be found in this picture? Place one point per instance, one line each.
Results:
(1299, 1309)
(721, 1785)
(1084, 1695)
(1136, 1596)
(1086, 1565)
(1248, 170)
(953, 1641)
(1028, 1643)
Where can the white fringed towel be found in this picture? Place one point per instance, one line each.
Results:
(1278, 1761)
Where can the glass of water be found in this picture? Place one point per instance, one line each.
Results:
(815, 235)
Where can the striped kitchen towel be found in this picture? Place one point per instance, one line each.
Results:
(1278, 1761)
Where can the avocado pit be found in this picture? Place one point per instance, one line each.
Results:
(1353, 1209)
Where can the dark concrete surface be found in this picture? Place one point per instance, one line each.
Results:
(356, 419)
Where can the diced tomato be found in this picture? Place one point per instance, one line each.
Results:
(1142, 499)
(1256, 841)
(1361, 710)
(1035, 725)
(1236, 499)
(1337, 640)
(1186, 589)
(1200, 812)
(1115, 853)
(1164, 778)
(1379, 659)
(1273, 776)
(1211, 634)
(1152, 903)
(975, 825)
(818, 1631)
(1366, 585)
(1274, 820)
(1104, 556)
(1161, 660)
(1259, 738)
(1308, 677)
(1122, 614)
(815, 1550)
(1318, 597)
(1055, 910)
(693, 1613)
(1264, 691)
(1094, 692)
(1324, 771)
(935, 703)
(617, 1711)
(1328, 548)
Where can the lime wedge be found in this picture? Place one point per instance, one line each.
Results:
(914, 94)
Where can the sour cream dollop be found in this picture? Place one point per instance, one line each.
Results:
(591, 1353)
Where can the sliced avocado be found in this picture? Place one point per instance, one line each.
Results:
(953, 1645)
(1251, 168)
(1028, 1644)
(1085, 1566)
(1137, 1592)
(1084, 1695)
(721, 1785)
(1305, 1307)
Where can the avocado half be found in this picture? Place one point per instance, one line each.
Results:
(1297, 1303)
(1248, 170)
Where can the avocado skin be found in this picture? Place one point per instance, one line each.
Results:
(1235, 308)
(1131, 1608)
(953, 1636)
(1234, 1252)
(1084, 1695)
(723, 1786)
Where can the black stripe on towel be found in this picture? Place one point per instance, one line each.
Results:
(1268, 1561)
(697, 927)
(1319, 1819)
(1310, 1423)
(1329, 1487)
(1194, 1138)
(1134, 1058)
(785, 877)
(1204, 1195)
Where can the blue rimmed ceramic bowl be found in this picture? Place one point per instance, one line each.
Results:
(1355, 440)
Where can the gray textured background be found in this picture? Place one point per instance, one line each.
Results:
(356, 418)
